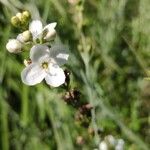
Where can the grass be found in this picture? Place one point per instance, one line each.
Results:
(109, 46)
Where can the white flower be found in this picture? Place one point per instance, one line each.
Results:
(45, 64)
(14, 46)
(38, 32)
(111, 140)
(120, 144)
(103, 146)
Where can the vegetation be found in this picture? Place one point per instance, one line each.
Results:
(109, 46)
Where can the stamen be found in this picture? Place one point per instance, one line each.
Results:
(45, 65)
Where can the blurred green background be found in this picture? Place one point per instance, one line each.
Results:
(109, 42)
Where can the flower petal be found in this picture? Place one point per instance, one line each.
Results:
(49, 32)
(50, 26)
(55, 76)
(39, 51)
(33, 74)
(59, 53)
(36, 28)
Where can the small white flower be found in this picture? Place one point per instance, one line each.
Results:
(111, 140)
(13, 46)
(45, 64)
(38, 32)
(103, 146)
(120, 145)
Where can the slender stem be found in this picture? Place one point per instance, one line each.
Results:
(24, 113)
(53, 120)
(140, 61)
(4, 126)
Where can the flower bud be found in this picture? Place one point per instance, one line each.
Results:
(25, 17)
(19, 15)
(25, 36)
(26, 14)
(49, 35)
(14, 46)
(15, 21)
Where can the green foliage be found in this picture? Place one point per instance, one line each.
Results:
(109, 57)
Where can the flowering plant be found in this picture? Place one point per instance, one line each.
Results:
(46, 56)
(44, 61)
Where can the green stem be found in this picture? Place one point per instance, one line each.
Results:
(24, 113)
(4, 126)
(50, 114)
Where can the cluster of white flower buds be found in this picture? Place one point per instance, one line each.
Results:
(34, 32)
(44, 61)
(20, 21)
(110, 142)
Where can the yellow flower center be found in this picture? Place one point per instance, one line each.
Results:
(45, 65)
